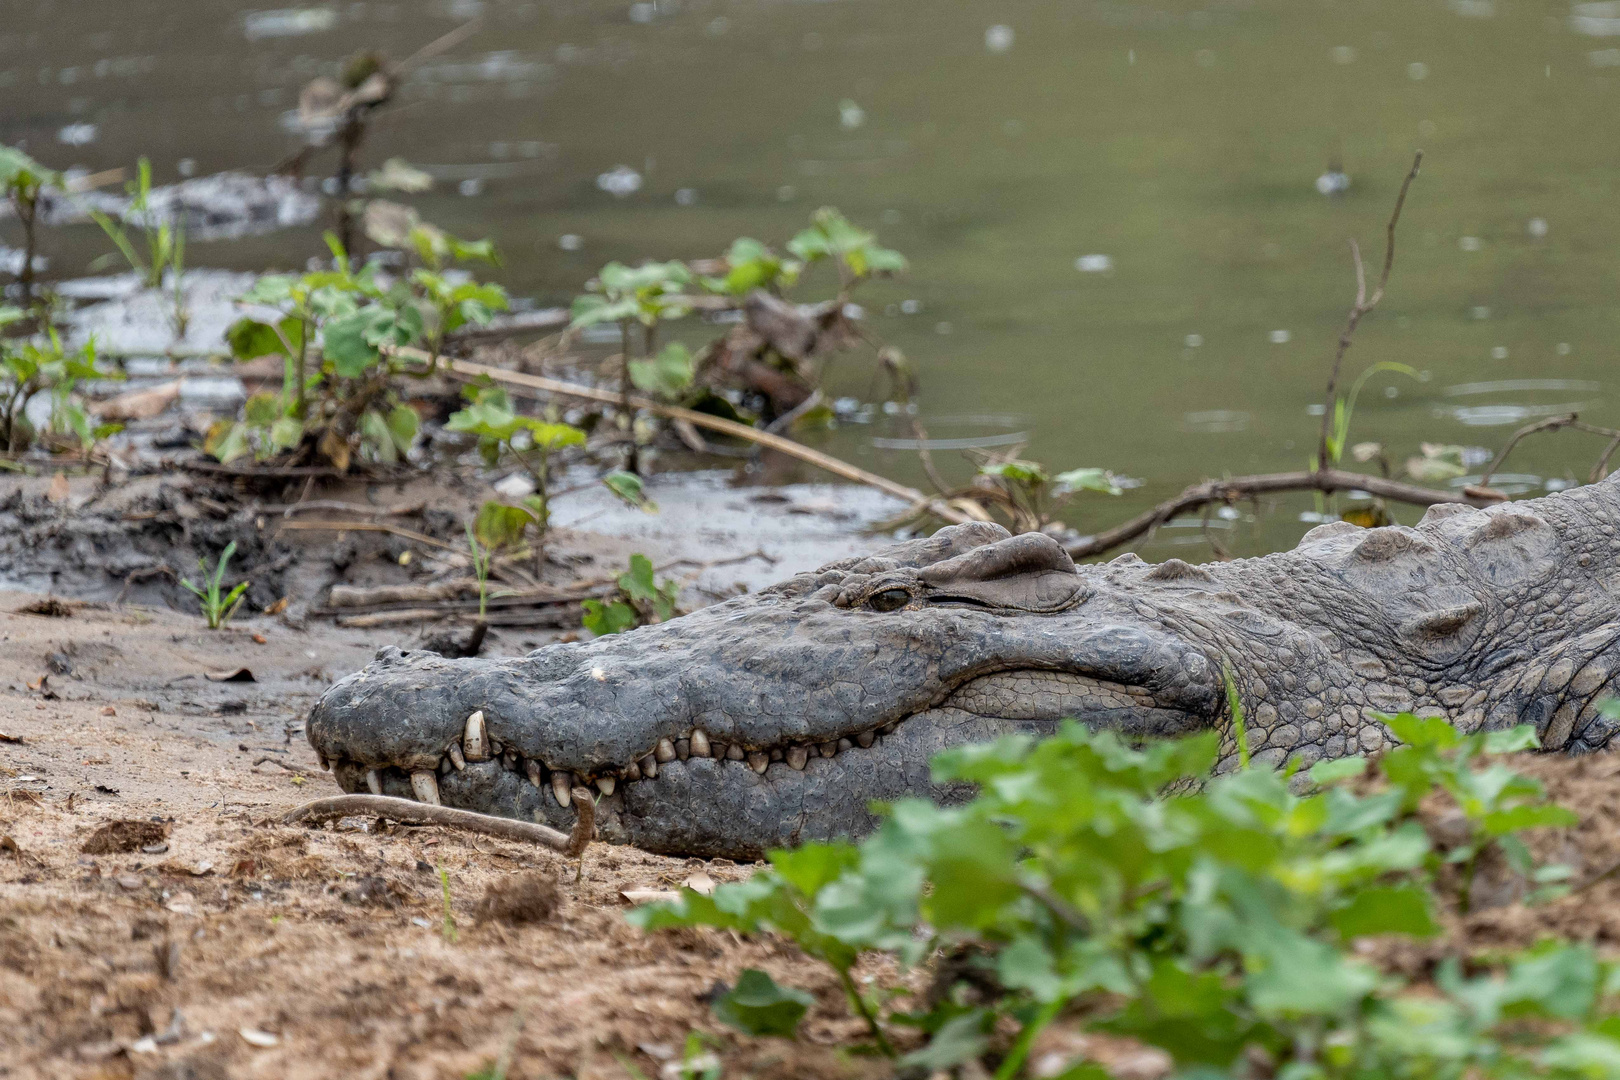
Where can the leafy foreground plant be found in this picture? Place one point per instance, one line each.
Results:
(336, 330)
(30, 367)
(640, 600)
(217, 604)
(1216, 924)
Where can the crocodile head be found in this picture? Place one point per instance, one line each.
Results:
(778, 717)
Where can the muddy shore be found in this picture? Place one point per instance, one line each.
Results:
(327, 948)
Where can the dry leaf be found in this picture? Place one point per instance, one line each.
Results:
(277, 608)
(240, 674)
(58, 492)
(139, 404)
(649, 896)
(700, 883)
(255, 1037)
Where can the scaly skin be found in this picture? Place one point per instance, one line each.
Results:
(836, 687)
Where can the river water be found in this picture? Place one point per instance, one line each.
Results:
(1114, 213)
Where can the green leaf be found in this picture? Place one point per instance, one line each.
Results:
(814, 866)
(1346, 768)
(628, 486)
(758, 1006)
(403, 424)
(962, 1038)
(501, 525)
(1386, 910)
(1512, 740)
(608, 617)
(668, 374)
(286, 432)
(1427, 731)
(262, 409)
(250, 338)
(1088, 480)
(345, 345)
(226, 441)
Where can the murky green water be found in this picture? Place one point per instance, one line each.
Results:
(1177, 145)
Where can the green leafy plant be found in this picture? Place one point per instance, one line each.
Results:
(23, 181)
(640, 600)
(1030, 495)
(1491, 805)
(642, 296)
(338, 330)
(218, 605)
(853, 250)
(33, 366)
(165, 243)
(750, 265)
(1344, 407)
(1214, 918)
(448, 298)
(504, 433)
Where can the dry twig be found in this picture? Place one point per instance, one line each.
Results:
(414, 813)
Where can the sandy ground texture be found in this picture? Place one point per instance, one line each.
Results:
(207, 940)
(224, 944)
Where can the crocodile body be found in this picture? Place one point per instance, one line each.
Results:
(778, 717)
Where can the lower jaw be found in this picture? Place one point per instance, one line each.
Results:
(723, 809)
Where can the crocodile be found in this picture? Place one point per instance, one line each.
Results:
(779, 717)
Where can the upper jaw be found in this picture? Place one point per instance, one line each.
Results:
(756, 676)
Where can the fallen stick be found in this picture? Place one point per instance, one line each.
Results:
(366, 526)
(554, 616)
(804, 453)
(1326, 481)
(355, 596)
(414, 813)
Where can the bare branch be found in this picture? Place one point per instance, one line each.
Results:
(1364, 304)
(1230, 490)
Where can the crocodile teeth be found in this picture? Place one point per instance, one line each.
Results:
(326, 766)
(700, 744)
(718, 751)
(511, 758)
(845, 744)
(474, 742)
(561, 782)
(649, 767)
(775, 753)
(631, 773)
(605, 784)
(797, 756)
(734, 753)
(664, 751)
(374, 781)
(444, 766)
(828, 749)
(532, 767)
(758, 762)
(425, 786)
(455, 757)
(866, 739)
(683, 749)
(494, 747)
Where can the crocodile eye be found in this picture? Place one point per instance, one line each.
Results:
(888, 600)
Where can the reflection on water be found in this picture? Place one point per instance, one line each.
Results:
(1522, 405)
(1126, 221)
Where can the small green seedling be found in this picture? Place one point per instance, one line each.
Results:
(217, 606)
(448, 930)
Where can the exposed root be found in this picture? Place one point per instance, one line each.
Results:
(414, 813)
